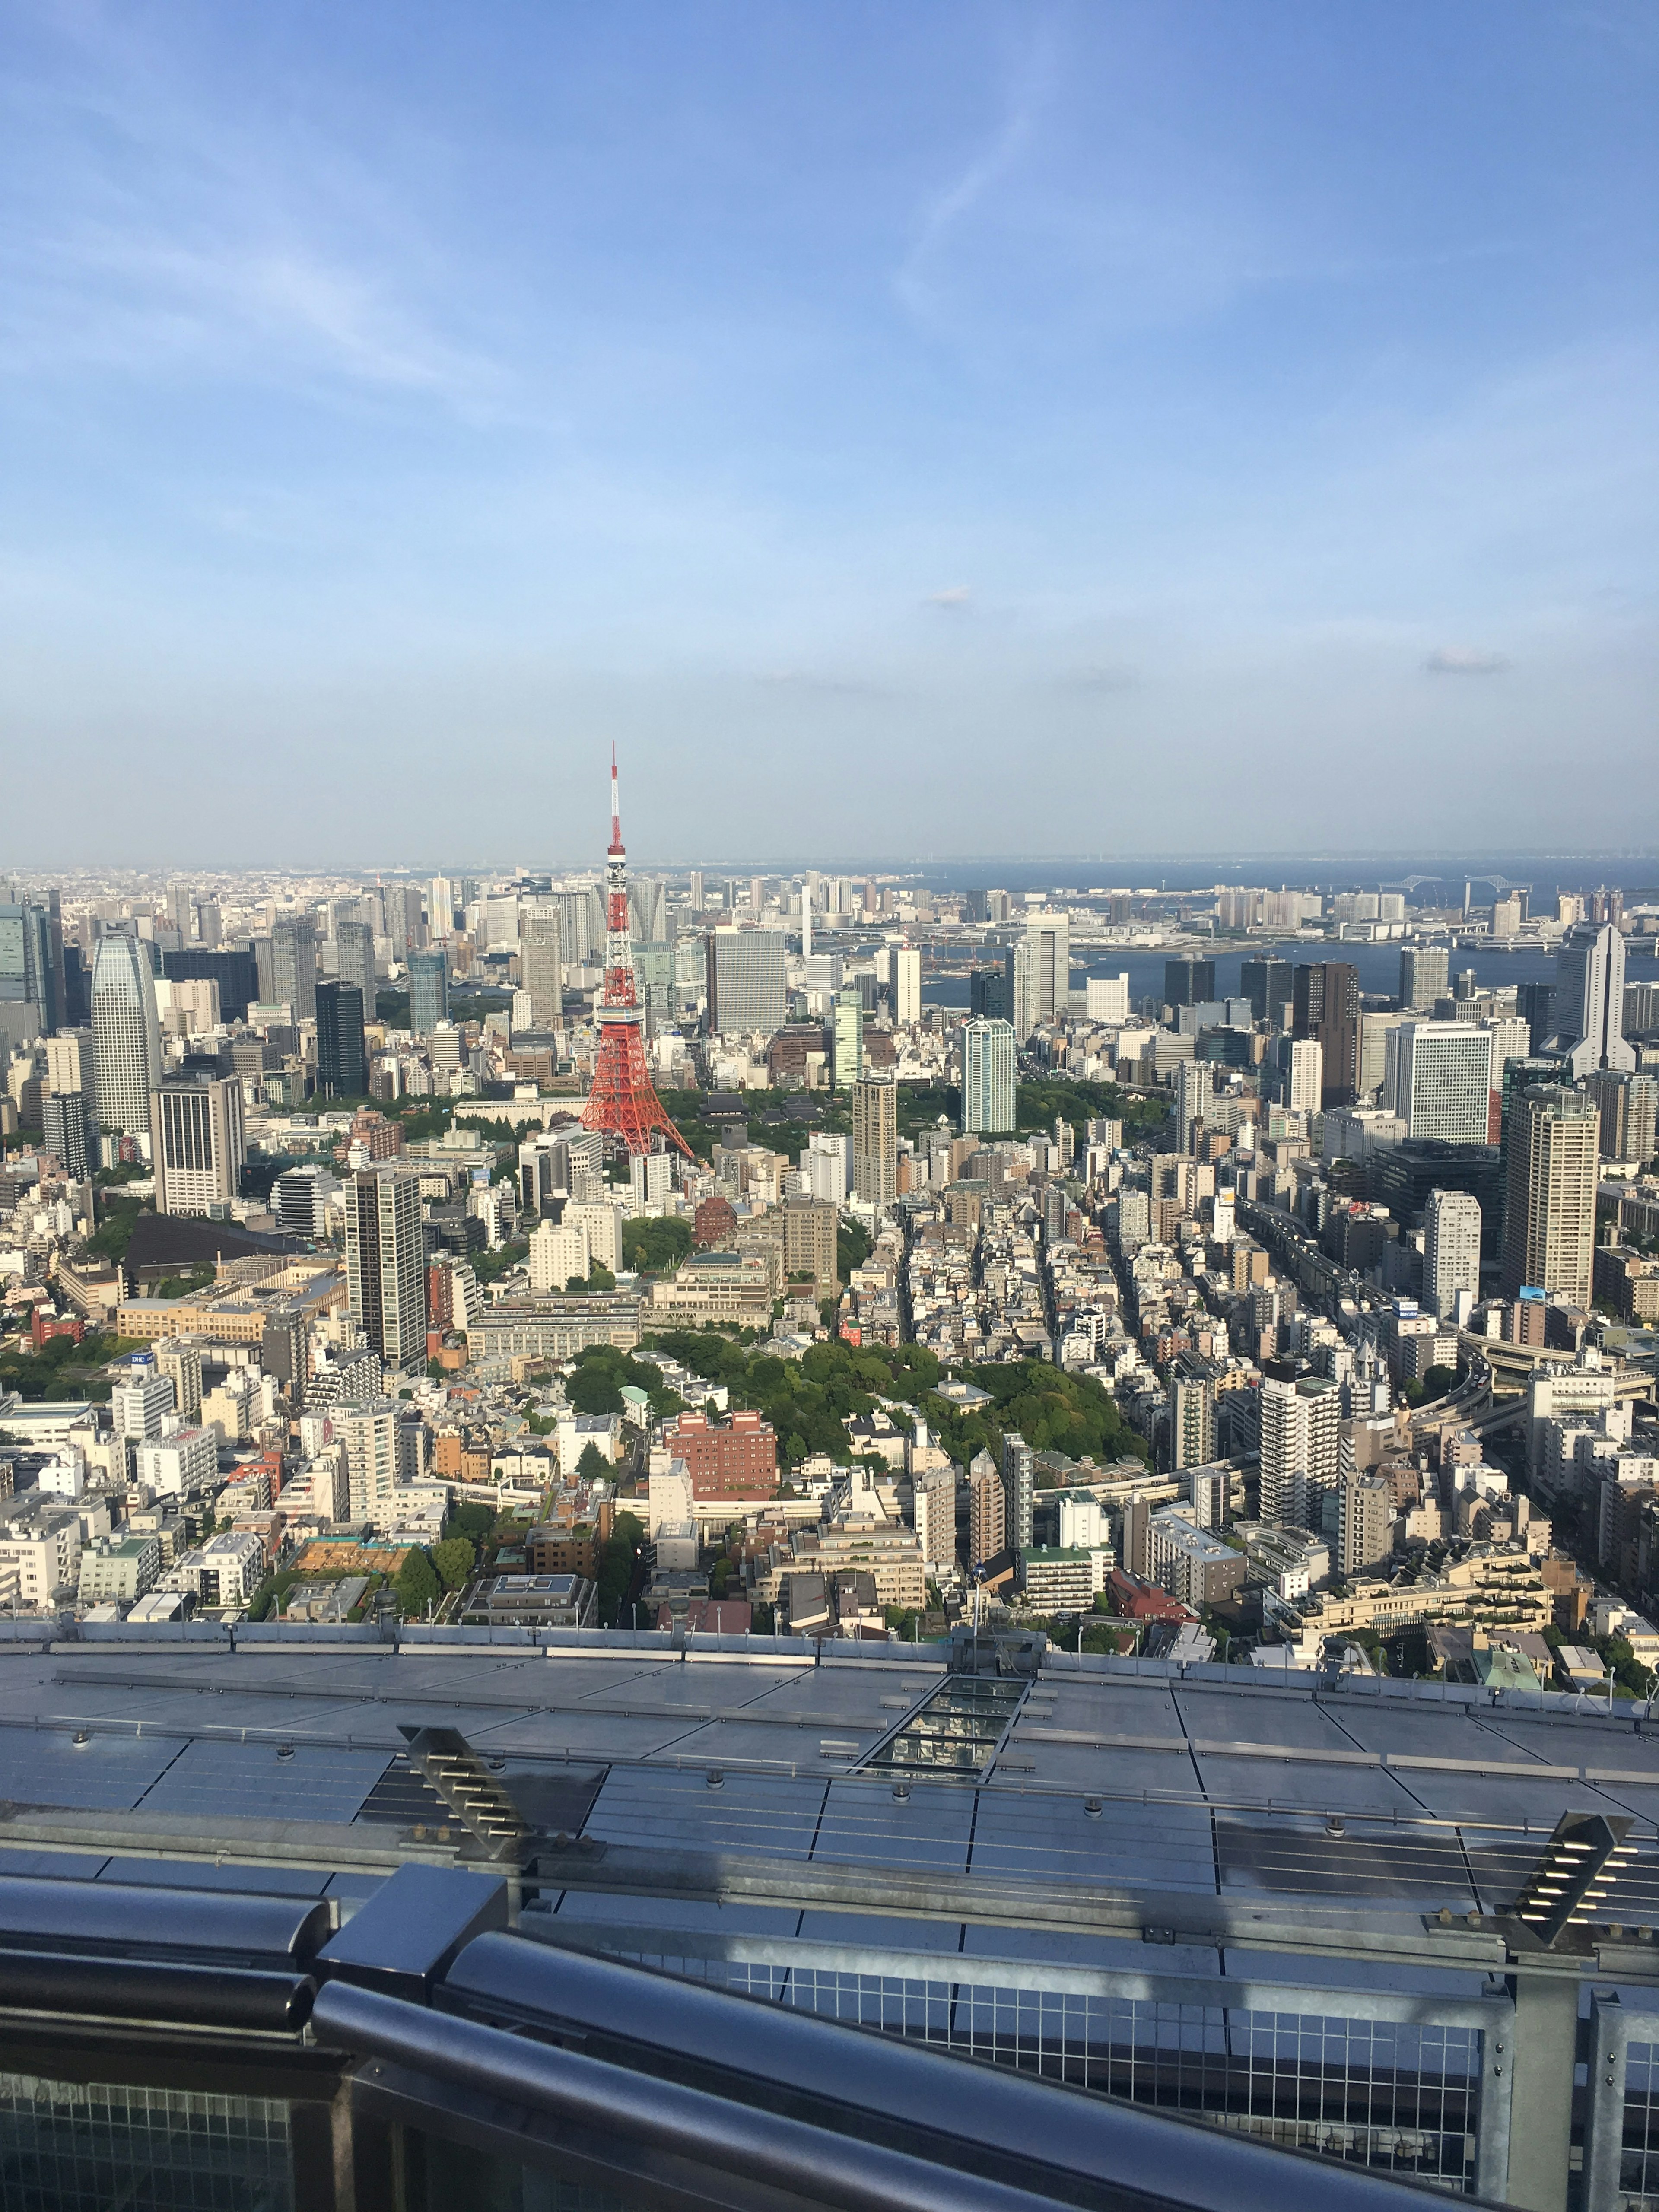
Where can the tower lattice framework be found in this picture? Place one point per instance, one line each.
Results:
(623, 1102)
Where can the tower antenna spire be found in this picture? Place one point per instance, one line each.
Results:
(624, 1104)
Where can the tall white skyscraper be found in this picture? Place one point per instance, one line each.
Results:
(904, 981)
(1304, 1086)
(1590, 1001)
(1451, 1250)
(990, 1078)
(126, 1036)
(1438, 1080)
(1049, 936)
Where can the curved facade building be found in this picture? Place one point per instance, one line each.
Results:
(126, 1036)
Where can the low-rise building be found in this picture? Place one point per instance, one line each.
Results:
(540, 1602)
(118, 1572)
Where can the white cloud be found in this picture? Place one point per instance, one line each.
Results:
(953, 595)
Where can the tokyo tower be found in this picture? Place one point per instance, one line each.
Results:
(624, 1102)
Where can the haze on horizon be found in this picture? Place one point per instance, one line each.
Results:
(982, 429)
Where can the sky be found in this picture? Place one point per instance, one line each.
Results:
(937, 431)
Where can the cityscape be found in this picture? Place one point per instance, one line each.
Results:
(829, 1110)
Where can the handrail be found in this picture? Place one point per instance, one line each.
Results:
(813, 2163)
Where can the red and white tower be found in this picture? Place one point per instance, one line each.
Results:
(624, 1102)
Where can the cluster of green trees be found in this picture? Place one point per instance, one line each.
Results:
(655, 1247)
(116, 1219)
(1042, 1099)
(595, 1385)
(807, 1401)
(617, 1569)
(62, 1368)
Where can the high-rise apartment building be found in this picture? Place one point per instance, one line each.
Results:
(1451, 1250)
(541, 965)
(126, 1036)
(1018, 1492)
(341, 1060)
(847, 1038)
(1627, 1105)
(1423, 976)
(1364, 1531)
(1590, 1001)
(1191, 1420)
(747, 994)
(904, 982)
(198, 1147)
(1325, 1007)
(988, 1517)
(1437, 1079)
(990, 1070)
(293, 965)
(1301, 1443)
(429, 991)
(69, 1132)
(385, 1263)
(1195, 1093)
(875, 1140)
(1549, 1215)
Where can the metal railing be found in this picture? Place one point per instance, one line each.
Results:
(232, 2036)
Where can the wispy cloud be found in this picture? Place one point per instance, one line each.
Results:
(1107, 676)
(150, 232)
(953, 595)
(912, 282)
(811, 680)
(1464, 660)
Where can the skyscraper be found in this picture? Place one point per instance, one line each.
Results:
(1303, 1062)
(1437, 1077)
(1049, 936)
(1451, 1250)
(1423, 976)
(904, 981)
(1549, 1214)
(1266, 982)
(1194, 1091)
(1590, 1001)
(541, 965)
(989, 994)
(1188, 981)
(196, 1143)
(847, 1038)
(355, 959)
(341, 1062)
(990, 1078)
(875, 1140)
(293, 965)
(66, 1133)
(126, 1036)
(1325, 1007)
(746, 983)
(429, 991)
(385, 1263)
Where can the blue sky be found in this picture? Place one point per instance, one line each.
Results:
(945, 429)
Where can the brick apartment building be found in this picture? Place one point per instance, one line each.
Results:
(737, 1458)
